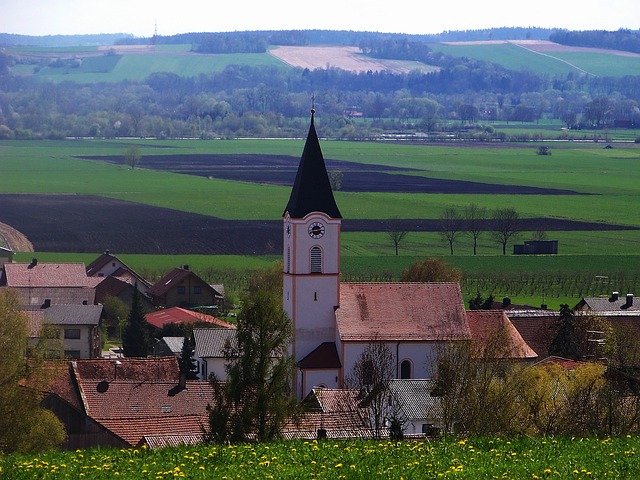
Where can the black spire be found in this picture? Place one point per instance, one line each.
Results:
(311, 190)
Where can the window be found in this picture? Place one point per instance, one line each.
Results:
(316, 260)
(405, 370)
(181, 290)
(288, 259)
(72, 333)
(197, 290)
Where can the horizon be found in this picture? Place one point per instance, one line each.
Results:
(141, 18)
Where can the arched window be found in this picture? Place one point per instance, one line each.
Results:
(316, 260)
(288, 259)
(405, 370)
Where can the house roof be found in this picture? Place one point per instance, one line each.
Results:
(493, 335)
(401, 312)
(537, 330)
(210, 342)
(159, 318)
(124, 271)
(37, 274)
(565, 363)
(336, 410)
(311, 190)
(174, 277)
(325, 356)
(62, 315)
(615, 303)
(174, 344)
(139, 369)
(414, 398)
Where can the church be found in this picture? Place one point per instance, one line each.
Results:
(333, 322)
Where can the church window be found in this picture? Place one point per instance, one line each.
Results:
(316, 260)
(288, 259)
(405, 370)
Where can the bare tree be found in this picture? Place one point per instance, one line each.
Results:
(475, 218)
(451, 224)
(132, 156)
(396, 233)
(371, 375)
(506, 225)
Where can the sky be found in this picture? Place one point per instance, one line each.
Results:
(139, 17)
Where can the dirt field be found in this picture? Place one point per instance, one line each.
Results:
(357, 177)
(88, 224)
(346, 58)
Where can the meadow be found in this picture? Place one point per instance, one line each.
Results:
(606, 181)
(453, 457)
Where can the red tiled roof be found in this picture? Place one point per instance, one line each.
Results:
(565, 363)
(141, 369)
(160, 318)
(537, 331)
(401, 311)
(493, 334)
(45, 275)
(324, 356)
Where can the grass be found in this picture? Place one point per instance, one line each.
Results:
(453, 457)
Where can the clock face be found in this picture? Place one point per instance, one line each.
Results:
(316, 230)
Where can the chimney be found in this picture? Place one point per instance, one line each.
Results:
(506, 301)
(47, 303)
(629, 302)
(106, 252)
(613, 297)
(34, 262)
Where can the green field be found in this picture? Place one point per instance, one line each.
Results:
(514, 57)
(453, 457)
(610, 177)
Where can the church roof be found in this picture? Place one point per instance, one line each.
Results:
(401, 312)
(324, 357)
(311, 189)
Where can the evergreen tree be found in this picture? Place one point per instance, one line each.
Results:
(566, 341)
(256, 397)
(136, 335)
(187, 363)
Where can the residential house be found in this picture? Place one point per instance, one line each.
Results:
(79, 327)
(160, 318)
(413, 403)
(108, 265)
(536, 326)
(48, 283)
(183, 288)
(210, 344)
(128, 402)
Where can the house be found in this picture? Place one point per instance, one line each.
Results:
(52, 283)
(79, 327)
(209, 350)
(128, 402)
(108, 265)
(330, 413)
(333, 322)
(160, 318)
(537, 327)
(183, 288)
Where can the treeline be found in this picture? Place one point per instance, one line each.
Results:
(626, 40)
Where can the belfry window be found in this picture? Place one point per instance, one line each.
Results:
(288, 259)
(316, 260)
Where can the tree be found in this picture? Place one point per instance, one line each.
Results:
(479, 303)
(335, 179)
(371, 375)
(256, 397)
(475, 219)
(506, 225)
(25, 426)
(136, 335)
(431, 270)
(451, 224)
(187, 364)
(132, 156)
(396, 233)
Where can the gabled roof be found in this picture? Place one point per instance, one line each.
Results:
(124, 271)
(311, 190)
(325, 356)
(174, 277)
(138, 369)
(210, 342)
(494, 336)
(414, 398)
(159, 318)
(36, 274)
(566, 363)
(401, 312)
(174, 344)
(72, 314)
(537, 328)
(611, 304)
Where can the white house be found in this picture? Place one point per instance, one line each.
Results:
(209, 350)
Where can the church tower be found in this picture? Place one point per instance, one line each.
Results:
(311, 222)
